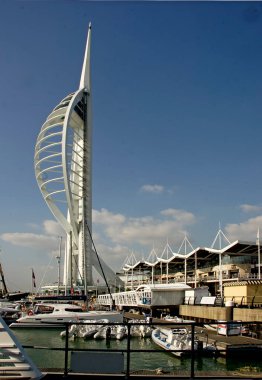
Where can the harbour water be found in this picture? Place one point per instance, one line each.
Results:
(51, 359)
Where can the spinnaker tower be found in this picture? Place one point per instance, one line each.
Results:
(63, 170)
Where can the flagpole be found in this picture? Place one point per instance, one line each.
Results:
(32, 280)
(258, 253)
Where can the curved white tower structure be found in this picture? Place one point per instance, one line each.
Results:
(63, 169)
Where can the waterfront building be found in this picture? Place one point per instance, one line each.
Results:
(63, 169)
(198, 275)
(202, 266)
(244, 293)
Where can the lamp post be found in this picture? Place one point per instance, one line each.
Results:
(58, 263)
(259, 263)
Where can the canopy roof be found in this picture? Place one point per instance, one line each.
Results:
(200, 254)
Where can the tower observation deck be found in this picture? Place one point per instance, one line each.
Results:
(63, 170)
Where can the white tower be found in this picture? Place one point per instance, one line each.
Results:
(64, 173)
(63, 169)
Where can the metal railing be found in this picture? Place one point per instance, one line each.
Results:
(192, 354)
(171, 278)
(245, 301)
(250, 302)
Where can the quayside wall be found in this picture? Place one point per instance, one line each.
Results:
(244, 314)
(212, 313)
(205, 313)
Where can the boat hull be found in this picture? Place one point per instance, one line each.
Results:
(58, 320)
(180, 343)
(160, 338)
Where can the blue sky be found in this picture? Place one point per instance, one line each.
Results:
(177, 118)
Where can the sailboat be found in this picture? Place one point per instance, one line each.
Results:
(5, 294)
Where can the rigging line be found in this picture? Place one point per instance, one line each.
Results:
(102, 270)
(45, 273)
(77, 267)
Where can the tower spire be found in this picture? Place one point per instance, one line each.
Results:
(85, 75)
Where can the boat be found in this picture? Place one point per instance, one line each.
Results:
(178, 341)
(14, 361)
(211, 327)
(111, 332)
(10, 312)
(102, 329)
(86, 330)
(139, 328)
(175, 319)
(120, 332)
(89, 329)
(173, 340)
(55, 315)
(226, 328)
(6, 296)
(145, 331)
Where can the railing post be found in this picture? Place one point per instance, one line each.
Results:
(66, 351)
(128, 352)
(192, 375)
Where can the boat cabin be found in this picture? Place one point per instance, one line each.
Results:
(42, 308)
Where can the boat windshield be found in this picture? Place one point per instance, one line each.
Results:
(74, 310)
(43, 309)
(48, 309)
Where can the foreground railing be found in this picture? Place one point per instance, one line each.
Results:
(78, 359)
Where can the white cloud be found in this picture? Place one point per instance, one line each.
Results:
(51, 227)
(32, 249)
(33, 226)
(180, 215)
(145, 230)
(114, 234)
(25, 239)
(156, 189)
(244, 231)
(114, 255)
(48, 240)
(250, 208)
(106, 217)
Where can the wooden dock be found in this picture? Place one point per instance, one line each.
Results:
(228, 346)
(231, 345)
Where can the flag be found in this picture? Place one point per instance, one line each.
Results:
(33, 278)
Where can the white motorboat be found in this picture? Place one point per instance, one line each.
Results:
(179, 342)
(102, 329)
(120, 332)
(86, 330)
(175, 319)
(14, 361)
(89, 329)
(174, 340)
(111, 332)
(139, 328)
(53, 315)
(102, 332)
